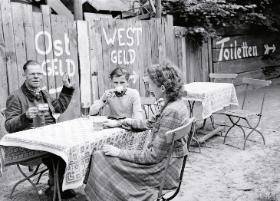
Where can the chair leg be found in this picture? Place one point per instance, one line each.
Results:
(26, 178)
(233, 124)
(40, 175)
(212, 121)
(252, 130)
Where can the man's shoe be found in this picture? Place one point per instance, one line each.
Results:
(68, 194)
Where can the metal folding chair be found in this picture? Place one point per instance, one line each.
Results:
(149, 106)
(220, 77)
(173, 135)
(236, 116)
(36, 162)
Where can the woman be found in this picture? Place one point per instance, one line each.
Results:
(134, 175)
(122, 101)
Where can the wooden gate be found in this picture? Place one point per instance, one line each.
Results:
(135, 45)
(49, 39)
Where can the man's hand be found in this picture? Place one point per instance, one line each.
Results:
(111, 123)
(31, 112)
(110, 150)
(67, 81)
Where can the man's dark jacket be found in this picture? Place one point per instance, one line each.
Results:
(20, 100)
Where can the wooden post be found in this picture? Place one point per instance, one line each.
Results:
(158, 8)
(78, 10)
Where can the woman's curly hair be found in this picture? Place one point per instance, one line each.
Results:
(169, 76)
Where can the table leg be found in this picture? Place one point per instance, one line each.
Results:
(210, 134)
(56, 192)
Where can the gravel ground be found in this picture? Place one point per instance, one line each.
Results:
(221, 172)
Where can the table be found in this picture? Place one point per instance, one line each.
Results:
(74, 141)
(213, 97)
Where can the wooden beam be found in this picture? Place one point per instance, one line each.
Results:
(83, 49)
(78, 10)
(60, 8)
(158, 8)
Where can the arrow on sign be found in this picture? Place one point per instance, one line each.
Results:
(267, 48)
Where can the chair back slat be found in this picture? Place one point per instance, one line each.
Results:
(223, 75)
(256, 82)
(179, 132)
(148, 105)
(148, 100)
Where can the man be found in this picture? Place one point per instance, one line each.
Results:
(22, 107)
(122, 101)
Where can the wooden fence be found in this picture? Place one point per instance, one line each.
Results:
(135, 45)
(49, 39)
(89, 50)
(255, 56)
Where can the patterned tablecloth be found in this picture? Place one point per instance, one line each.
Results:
(213, 96)
(73, 141)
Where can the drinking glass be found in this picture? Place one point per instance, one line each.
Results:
(35, 122)
(85, 110)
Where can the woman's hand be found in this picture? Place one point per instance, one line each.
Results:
(110, 150)
(111, 124)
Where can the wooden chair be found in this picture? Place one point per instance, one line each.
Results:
(149, 106)
(173, 135)
(242, 115)
(36, 162)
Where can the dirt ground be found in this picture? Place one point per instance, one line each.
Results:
(221, 172)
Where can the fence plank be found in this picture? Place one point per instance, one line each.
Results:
(204, 62)
(40, 43)
(73, 110)
(29, 32)
(154, 38)
(96, 58)
(244, 65)
(49, 50)
(146, 52)
(96, 16)
(59, 29)
(170, 39)
(17, 17)
(83, 48)
(108, 28)
(4, 89)
(10, 45)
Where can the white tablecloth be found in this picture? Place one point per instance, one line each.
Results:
(74, 141)
(213, 96)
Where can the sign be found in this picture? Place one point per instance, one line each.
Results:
(56, 65)
(126, 39)
(234, 49)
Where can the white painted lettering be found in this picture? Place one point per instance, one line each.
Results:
(47, 38)
(67, 44)
(120, 35)
(110, 40)
(58, 50)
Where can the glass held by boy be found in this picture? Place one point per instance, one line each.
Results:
(121, 101)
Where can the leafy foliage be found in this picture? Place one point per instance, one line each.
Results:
(205, 18)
